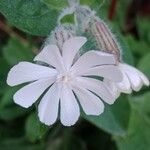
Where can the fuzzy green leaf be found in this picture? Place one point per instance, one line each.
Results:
(3, 74)
(34, 129)
(20, 144)
(11, 113)
(139, 126)
(144, 64)
(16, 51)
(56, 4)
(31, 16)
(115, 118)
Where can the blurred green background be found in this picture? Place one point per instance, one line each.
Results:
(24, 25)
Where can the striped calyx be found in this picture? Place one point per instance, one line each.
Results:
(105, 40)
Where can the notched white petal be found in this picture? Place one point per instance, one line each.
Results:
(27, 72)
(70, 49)
(90, 103)
(144, 78)
(113, 89)
(48, 107)
(69, 108)
(30, 93)
(51, 55)
(97, 87)
(124, 86)
(91, 59)
(136, 78)
(110, 72)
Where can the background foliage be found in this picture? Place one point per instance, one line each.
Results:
(123, 126)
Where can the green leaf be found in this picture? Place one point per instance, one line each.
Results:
(139, 126)
(4, 68)
(61, 4)
(144, 64)
(87, 2)
(31, 16)
(115, 118)
(16, 51)
(20, 144)
(126, 52)
(143, 25)
(67, 140)
(56, 4)
(128, 57)
(6, 99)
(11, 113)
(68, 19)
(35, 130)
(138, 47)
(8, 109)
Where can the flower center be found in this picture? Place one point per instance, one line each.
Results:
(65, 78)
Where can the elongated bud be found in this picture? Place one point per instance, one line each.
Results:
(104, 38)
(101, 33)
(60, 35)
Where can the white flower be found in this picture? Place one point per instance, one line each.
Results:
(62, 80)
(133, 79)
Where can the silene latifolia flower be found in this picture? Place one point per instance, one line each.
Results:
(65, 81)
(133, 79)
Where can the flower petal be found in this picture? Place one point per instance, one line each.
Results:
(69, 108)
(90, 103)
(97, 87)
(27, 95)
(134, 78)
(110, 72)
(143, 78)
(92, 58)
(26, 72)
(124, 86)
(48, 107)
(51, 55)
(70, 49)
(112, 88)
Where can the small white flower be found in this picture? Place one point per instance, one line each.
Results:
(63, 80)
(133, 79)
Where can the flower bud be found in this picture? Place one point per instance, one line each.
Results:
(61, 34)
(105, 40)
